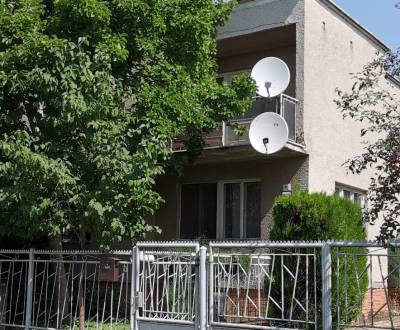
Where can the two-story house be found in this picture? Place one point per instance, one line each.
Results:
(229, 191)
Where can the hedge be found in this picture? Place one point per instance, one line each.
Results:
(317, 216)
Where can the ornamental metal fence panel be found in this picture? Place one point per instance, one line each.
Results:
(63, 289)
(254, 285)
(368, 278)
(230, 285)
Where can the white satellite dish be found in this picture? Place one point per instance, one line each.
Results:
(268, 133)
(271, 75)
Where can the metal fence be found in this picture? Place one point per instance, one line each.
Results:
(248, 285)
(258, 285)
(61, 289)
(367, 285)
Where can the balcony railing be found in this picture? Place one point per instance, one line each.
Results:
(284, 105)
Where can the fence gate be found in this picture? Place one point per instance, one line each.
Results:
(166, 286)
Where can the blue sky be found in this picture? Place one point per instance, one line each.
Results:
(379, 16)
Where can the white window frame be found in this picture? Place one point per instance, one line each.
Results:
(220, 225)
(342, 187)
(221, 207)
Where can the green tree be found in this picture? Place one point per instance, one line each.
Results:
(92, 92)
(374, 100)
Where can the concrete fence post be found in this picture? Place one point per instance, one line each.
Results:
(326, 271)
(202, 317)
(135, 288)
(29, 291)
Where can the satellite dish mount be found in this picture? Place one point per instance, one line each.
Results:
(266, 141)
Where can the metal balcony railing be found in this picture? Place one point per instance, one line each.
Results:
(284, 105)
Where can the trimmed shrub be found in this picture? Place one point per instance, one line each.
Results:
(304, 216)
(309, 217)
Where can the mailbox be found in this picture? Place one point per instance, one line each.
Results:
(109, 269)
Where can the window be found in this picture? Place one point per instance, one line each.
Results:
(358, 199)
(232, 210)
(221, 210)
(241, 209)
(346, 194)
(198, 211)
(252, 209)
(355, 195)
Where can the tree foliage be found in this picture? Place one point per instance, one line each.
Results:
(374, 100)
(92, 92)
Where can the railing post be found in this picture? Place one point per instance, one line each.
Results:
(202, 317)
(135, 288)
(211, 288)
(29, 291)
(326, 271)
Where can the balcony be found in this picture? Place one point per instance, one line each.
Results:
(225, 136)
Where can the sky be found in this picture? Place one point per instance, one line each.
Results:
(379, 17)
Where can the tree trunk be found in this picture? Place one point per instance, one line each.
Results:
(55, 243)
(82, 312)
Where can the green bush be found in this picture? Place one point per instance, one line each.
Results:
(309, 217)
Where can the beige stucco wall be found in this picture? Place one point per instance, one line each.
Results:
(272, 173)
(333, 49)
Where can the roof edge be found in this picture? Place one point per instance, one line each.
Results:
(333, 6)
(393, 79)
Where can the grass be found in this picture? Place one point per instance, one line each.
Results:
(106, 326)
(91, 326)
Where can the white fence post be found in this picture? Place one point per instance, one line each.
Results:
(202, 317)
(211, 288)
(326, 271)
(29, 292)
(135, 288)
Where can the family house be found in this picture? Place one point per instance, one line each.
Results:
(229, 191)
